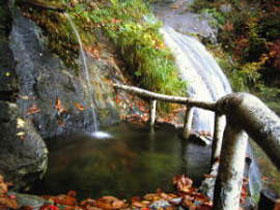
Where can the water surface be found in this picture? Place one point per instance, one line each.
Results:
(134, 161)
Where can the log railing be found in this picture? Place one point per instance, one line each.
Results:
(245, 115)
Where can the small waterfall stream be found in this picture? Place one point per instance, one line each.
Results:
(96, 133)
(85, 71)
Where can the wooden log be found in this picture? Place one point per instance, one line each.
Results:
(167, 98)
(262, 124)
(188, 123)
(153, 108)
(220, 123)
(230, 174)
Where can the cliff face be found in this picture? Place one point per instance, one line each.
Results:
(23, 153)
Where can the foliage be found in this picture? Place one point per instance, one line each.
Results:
(249, 33)
(129, 24)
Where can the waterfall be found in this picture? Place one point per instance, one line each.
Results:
(205, 81)
(96, 133)
(199, 69)
(85, 70)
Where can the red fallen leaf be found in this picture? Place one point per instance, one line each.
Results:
(3, 186)
(33, 109)
(12, 196)
(204, 207)
(188, 204)
(117, 100)
(138, 204)
(58, 106)
(49, 207)
(72, 193)
(243, 195)
(151, 197)
(79, 106)
(109, 202)
(62, 199)
(182, 183)
(8, 203)
(135, 198)
(88, 203)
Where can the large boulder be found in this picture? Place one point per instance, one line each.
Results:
(23, 153)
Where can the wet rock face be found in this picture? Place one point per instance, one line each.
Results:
(45, 82)
(8, 84)
(23, 153)
(176, 14)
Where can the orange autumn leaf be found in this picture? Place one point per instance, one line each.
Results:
(58, 106)
(8, 203)
(33, 109)
(79, 106)
(138, 204)
(62, 199)
(182, 183)
(209, 176)
(109, 202)
(3, 186)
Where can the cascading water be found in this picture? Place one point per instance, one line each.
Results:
(199, 69)
(96, 133)
(206, 81)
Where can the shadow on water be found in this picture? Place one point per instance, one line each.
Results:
(134, 161)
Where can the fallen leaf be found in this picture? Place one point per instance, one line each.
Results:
(3, 186)
(33, 109)
(182, 183)
(138, 204)
(79, 106)
(109, 202)
(209, 176)
(59, 107)
(62, 199)
(49, 207)
(8, 203)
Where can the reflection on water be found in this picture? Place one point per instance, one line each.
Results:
(134, 161)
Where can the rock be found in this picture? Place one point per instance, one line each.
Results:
(23, 153)
(8, 83)
(24, 200)
(159, 205)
